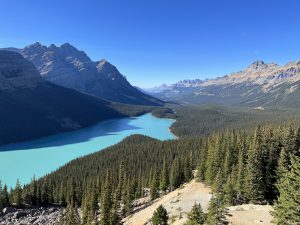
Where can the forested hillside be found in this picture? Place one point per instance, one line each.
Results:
(195, 121)
(260, 166)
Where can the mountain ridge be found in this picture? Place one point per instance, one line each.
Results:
(69, 67)
(258, 84)
(31, 107)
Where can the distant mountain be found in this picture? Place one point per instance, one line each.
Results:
(259, 84)
(171, 90)
(67, 66)
(31, 107)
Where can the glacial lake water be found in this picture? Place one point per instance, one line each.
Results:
(39, 157)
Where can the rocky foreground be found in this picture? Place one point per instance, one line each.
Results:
(38, 216)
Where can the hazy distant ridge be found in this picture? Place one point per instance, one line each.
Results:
(258, 84)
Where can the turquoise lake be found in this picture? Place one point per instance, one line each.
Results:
(39, 157)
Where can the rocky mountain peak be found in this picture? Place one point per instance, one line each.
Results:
(36, 44)
(69, 67)
(67, 45)
(257, 65)
(260, 65)
(68, 50)
(52, 46)
(35, 48)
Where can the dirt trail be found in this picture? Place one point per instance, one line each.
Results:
(177, 203)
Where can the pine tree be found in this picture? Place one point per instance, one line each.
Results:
(176, 174)
(283, 164)
(201, 167)
(229, 190)
(216, 214)
(129, 196)
(240, 181)
(121, 182)
(39, 195)
(139, 190)
(287, 208)
(154, 190)
(18, 194)
(272, 157)
(297, 143)
(71, 192)
(196, 216)
(106, 204)
(188, 172)
(45, 194)
(116, 216)
(173, 176)
(216, 160)
(164, 177)
(62, 196)
(218, 183)
(33, 191)
(93, 202)
(26, 197)
(255, 178)
(5, 197)
(291, 143)
(160, 216)
(229, 161)
(212, 163)
(72, 216)
(84, 208)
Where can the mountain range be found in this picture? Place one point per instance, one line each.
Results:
(260, 84)
(66, 66)
(31, 107)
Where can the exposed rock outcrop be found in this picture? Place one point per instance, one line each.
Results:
(38, 216)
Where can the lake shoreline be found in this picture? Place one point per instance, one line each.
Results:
(42, 156)
(170, 128)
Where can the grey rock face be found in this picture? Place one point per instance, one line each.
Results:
(68, 67)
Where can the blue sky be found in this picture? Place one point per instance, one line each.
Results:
(160, 41)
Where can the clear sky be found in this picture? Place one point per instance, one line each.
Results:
(160, 41)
